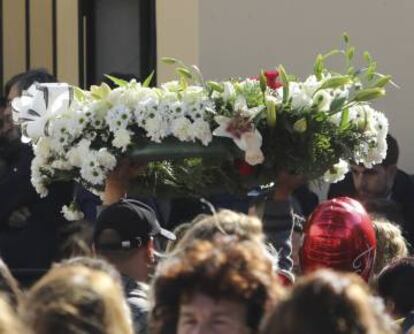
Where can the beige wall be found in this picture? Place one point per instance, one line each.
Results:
(14, 38)
(239, 37)
(177, 33)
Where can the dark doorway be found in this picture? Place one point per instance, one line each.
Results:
(120, 38)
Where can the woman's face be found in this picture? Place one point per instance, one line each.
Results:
(202, 314)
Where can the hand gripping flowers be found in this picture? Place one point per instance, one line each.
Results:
(195, 134)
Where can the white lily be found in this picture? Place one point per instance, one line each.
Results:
(244, 135)
(38, 104)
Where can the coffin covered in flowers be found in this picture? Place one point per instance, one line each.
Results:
(197, 136)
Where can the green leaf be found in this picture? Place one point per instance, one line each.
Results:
(344, 119)
(263, 81)
(184, 73)
(100, 92)
(337, 104)
(350, 53)
(215, 86)
(336, 82)
(271, 113)
(300, 125)
(117, 81)
(351, 71)
(285, 82)
(367, 57)
(318, 67)
(369, 94)
(346, 38)
(148, 80)
(383, 81)
(79, 94)
(169, 60)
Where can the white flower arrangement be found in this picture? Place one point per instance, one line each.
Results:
(315, 127)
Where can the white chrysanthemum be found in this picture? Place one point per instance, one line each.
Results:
(77, 153)
(118, 118)
(91, 170)
(323, 99)
(145, 109)
(38, 178)
(181, 128)
(311, 85)
(337, 172)
(72, 213)
(61, 164)
(106, 159)
(172, 86)
(42, 149)
(156, 128)
(202, 131)
(300, 98)
(122, 138)
(193, 94)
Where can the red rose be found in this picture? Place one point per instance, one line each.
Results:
(271, 77)
(243, 167)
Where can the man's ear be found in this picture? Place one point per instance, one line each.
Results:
(149, 250)
(392, 171)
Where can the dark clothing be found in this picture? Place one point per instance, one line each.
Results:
(137, 298)
(402, 194)
(33, 245)
(279, 219)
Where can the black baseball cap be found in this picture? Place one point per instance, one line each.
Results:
(133, 222)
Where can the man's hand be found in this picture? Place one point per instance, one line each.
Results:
(18, 218)
(118, 180)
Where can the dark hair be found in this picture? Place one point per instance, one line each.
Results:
(24, 80)
(395, 284)
(3, 102)
(75, 239)
(393, 152)
(326, 302)
(239, 271)
(9, 286)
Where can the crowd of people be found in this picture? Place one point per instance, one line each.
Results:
(275, 261)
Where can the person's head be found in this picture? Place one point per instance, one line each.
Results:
(384, 208)
(339, 235)
(92, 263)
(124, 234)
(377, 182)
(179, 233)
(395, 286)
(75, 239)
(10, 323)
(326, 302)
(76, 300)
(220, 287)
(9, 286)
(223, 224)
(391, 245)
(14, 88)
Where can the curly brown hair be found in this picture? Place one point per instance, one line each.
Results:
(326, 302)
(237, 271)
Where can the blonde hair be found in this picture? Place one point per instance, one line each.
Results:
(77, 300)
(9, 322)
(225, 223)
(391, 244)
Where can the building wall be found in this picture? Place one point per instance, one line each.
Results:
(240, 37)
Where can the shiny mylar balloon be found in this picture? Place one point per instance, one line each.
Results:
(339, 235)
